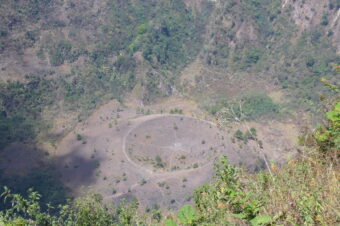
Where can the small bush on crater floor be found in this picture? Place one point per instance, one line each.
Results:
(176, 111)
(142, 182)
(79, 137)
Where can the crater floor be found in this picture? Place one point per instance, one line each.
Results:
(159, 159)
(175, 143)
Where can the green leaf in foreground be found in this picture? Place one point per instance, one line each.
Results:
(333, 116)
(170, 222)
(337, 107)
(261, 220)
(240, 215)
(186, 214)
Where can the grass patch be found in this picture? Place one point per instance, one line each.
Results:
(247, 107)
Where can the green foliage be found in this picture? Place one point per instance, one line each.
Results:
(261, 200)
(176, 111)
(124, 64)
(252, 56)
(79, 137)
(334, 4)
(238, 134)
(168, 35)
(14, 128)
(43, 180)
(261, 220)
(142, 182)
(141, 29)
(159, 162)
(17, 21)
(186, 215)
(21, 104)
(20, 108)
(324, 19)
(257, 105)
(28, 207)
(173, 40)
(86, 211)
(170, 222)
(253, 131)
(61, 52)
(248, 135)
(328, 137)
(247, 107)
(214, 109)
(263, 51)
(334, 115)
(227, 199)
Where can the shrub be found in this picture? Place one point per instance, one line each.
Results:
(252, 56)
(79, 137)
(60, 52)
(142, 182)
(257, 105)
(159, 162)
(324, 20)
(176, 111)
(141, 29)
(239, 135)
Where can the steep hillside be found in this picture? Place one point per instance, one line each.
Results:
(72, 56)
(77, 77)
(69, 57)
(269, 46)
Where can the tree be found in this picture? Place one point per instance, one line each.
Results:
(239, 135)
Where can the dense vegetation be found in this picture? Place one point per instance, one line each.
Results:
(165, 33)
(247, 107)
(272, 48)
(22, 105)
(43, 180)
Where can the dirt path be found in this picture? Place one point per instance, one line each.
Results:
(119, 149)
(149, 175)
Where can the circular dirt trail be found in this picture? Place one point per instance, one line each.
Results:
(170, 143)
(158, 159)
(174, 154)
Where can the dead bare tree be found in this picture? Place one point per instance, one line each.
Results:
(229, 114)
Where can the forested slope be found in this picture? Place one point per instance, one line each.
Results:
(259, 59)
(73, 56)
(70, 57)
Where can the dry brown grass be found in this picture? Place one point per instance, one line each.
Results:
(306, 190)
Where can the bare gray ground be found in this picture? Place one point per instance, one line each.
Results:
(118, 155)
(157, 158)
